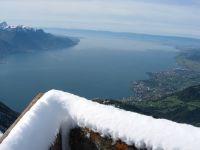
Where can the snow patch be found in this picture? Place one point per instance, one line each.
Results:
(5, 26)
(56, 109)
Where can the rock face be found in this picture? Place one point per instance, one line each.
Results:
(85, 139)
(7, 117)
(57, 145)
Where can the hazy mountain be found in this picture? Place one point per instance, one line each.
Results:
(15, 39)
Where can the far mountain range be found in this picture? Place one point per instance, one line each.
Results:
(26, 39)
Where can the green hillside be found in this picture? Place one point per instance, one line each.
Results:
(183, 107)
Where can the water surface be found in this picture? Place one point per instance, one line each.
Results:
(97, 67)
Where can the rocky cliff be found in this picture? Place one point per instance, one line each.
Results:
(7, 117)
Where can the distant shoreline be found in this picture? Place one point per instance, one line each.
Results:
(170, 81)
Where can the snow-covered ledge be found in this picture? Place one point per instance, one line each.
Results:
(56, 110)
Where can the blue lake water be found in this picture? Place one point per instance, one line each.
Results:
(97, 67)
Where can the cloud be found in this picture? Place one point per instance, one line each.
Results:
(172, 17)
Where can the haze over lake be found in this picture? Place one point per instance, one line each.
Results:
(99, 66)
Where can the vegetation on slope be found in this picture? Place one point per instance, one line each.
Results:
(183, 106)
(190, 59)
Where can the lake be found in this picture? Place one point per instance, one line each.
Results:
(98, 67)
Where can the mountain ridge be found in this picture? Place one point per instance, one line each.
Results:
(15, 39)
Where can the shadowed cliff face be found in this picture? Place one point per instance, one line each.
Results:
(7, 117)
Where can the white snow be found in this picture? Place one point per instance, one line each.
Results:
(5, 26)
(1, 134)
(39, 126)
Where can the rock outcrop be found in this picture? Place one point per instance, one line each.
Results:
(7, 117)
(86, 139)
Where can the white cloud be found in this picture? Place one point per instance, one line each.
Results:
(152, 16)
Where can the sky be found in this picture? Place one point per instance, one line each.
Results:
(160, 17)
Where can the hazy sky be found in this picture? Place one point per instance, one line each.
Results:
(166, 17)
